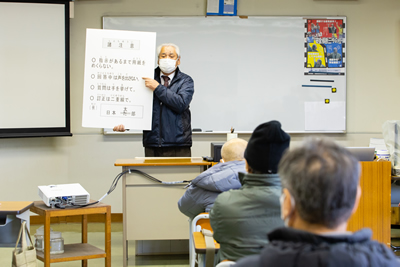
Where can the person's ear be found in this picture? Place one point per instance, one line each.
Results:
(247, 167)
(357, 202)
(287, 208)
(178, 61)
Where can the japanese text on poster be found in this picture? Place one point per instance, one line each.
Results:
(114, 91)
(325, 47)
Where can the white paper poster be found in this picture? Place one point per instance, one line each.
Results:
(320, 116)
(114, 91)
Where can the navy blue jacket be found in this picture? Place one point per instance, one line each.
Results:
(171, 125)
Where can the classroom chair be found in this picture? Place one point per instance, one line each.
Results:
(225, 263)
(200, 224)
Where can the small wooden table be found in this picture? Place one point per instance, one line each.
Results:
(14, 207)
(81, 251)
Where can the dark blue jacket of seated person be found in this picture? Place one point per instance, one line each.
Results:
(204, 189)
(289, 247)
(171, 125)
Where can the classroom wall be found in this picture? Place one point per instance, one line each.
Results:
(88, 157)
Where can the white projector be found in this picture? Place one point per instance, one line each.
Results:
(64, 194)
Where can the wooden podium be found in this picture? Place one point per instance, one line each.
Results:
(374, 210)
(150, 208)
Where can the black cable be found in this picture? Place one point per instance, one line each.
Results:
(85, 205)
(116, 179)
(115, 183)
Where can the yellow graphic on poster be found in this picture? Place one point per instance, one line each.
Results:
(315, 56)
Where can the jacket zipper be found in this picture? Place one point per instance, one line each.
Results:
(159, 137)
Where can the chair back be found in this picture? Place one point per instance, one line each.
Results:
(201, 221)
(225, 263)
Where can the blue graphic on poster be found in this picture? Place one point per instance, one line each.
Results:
(334, 55)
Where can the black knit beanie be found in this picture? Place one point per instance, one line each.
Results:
(266, 146)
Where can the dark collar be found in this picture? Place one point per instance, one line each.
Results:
(264, 179)
(158, 71)
(287, 234)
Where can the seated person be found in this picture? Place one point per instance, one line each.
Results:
(321, 191)
(204, 189)
(242, 218)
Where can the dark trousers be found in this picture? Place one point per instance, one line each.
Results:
(171, 151)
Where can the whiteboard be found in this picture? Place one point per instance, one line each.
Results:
(248, 71)
(34, 69)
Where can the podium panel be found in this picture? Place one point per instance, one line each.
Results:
(374, 210)
(150, 208)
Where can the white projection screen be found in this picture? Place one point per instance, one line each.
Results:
(34, 69)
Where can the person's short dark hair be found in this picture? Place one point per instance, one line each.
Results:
(323, 178)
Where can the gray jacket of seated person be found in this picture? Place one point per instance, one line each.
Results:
(242, 218)
(204, 189)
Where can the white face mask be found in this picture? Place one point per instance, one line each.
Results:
(167, 65)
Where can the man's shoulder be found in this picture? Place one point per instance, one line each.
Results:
(355, 249)
(219, 174)
(181, 75)
(228, 197)
(228, 165)
(209, 173)
(225, 166)
(253, 261)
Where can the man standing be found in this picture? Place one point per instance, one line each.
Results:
(171, 133)
(320, 182)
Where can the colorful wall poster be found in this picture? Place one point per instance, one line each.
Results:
(325, 46)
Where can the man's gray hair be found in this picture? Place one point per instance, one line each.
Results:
(323, 179)
(177, 50)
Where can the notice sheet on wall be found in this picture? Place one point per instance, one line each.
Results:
(114, 91)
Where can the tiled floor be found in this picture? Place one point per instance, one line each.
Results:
(72, 234)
